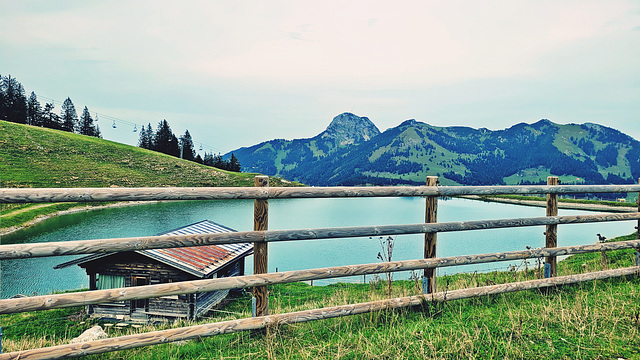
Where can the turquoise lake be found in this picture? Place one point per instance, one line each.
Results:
(37, 276)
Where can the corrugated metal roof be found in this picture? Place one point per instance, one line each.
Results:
(200, 261)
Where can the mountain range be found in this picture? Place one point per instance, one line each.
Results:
(353, 151)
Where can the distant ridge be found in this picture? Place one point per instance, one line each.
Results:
(352, 151)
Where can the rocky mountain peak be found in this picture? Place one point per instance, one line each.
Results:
(348, 128)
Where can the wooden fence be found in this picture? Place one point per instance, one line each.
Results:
(261, 236)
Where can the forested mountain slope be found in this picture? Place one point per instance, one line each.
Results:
(406, 154)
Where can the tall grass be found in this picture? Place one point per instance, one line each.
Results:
(597, 319)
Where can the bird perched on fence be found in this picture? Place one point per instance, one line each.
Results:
(601, 238)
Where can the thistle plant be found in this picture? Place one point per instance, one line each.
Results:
(385, 255)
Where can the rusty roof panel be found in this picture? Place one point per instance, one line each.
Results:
(200, 261)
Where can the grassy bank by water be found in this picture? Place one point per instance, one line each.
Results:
(44, 158)
(629, 205)
(593, 320)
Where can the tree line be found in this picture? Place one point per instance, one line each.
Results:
(16, 107)
(165, 141)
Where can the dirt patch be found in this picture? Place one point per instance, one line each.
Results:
(19, 211)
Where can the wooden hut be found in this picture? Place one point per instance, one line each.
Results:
(156, 266)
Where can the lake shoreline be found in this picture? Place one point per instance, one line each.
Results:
(534, 203)
(561, 205)
(41, 218)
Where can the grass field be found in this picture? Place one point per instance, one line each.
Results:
(593, 320)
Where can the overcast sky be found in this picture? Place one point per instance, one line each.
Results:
(235, 73)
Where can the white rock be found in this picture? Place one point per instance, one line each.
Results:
(95, 333)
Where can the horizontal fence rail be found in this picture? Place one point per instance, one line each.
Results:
(46, 302)
(28, 195)
(232, 326)
(261, 193)
(16, 251)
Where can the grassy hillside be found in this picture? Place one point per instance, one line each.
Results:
(40, 158)
(594, 320)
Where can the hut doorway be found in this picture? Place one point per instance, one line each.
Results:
(140, 304)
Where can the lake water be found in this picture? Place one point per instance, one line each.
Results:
(37, 276)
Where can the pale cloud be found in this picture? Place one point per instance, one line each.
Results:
(287, 66)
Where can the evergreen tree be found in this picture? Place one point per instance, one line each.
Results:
(165, 141)
(186, 147)
(49, 118)
(150, 137)
(87, 127)
(198, 159)
(14, 99)
(144, 141)
(34, 111)
(208, 159)
(146, 137)
(234, 164)
(69, 116)
(174, 146)
(3, 101)
(219, 163)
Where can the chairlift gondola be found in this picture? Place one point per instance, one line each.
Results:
(96, 120)
(200, 147)
(114, 124)
(135, 128)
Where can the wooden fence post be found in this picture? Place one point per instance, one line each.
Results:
(260, 249)
(552, 230)
(638, 226)
(430, 239)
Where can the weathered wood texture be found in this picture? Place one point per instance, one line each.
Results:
(430, 239)
(551, 235)
(16, 251)
(260, 249)
(189, 287)
(232, 326)
(24, 195)
(133, 264)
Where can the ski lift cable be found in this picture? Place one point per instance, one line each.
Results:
(115, 121)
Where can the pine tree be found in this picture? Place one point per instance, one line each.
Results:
(165, 141)
(14, 99)
(49, 118)
(186, 147)
(69, 116)
(34, 111)
(174, 146)
(208, 159)
(3, 101)
(86, 124)
(141, 139)
(146, 137)
(144, 141)
(234, 164)
(219, 163)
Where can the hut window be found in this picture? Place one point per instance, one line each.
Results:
(109, 282)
